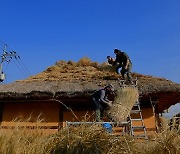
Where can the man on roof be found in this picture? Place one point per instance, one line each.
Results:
(110, 60)
(123, 61)
(101, 102)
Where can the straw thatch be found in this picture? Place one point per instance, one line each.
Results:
(81, 79)
(124, 100)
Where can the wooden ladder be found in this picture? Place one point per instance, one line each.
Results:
(135, 116)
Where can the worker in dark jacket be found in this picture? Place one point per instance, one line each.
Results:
(101, 102)
(110, 60)
(123, 60)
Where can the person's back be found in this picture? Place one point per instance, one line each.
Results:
(97, 94)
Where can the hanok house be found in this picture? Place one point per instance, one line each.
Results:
(53, 102)
(57, 99)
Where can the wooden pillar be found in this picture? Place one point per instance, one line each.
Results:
(1, 111)
(61, 115)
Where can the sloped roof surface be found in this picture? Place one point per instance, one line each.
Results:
(70, 78)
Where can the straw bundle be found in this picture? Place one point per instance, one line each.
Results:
(123, 103)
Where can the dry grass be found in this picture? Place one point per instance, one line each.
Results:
(167, 142)
(123, 103)
(86, 71)
(86, 140)
(83, 70)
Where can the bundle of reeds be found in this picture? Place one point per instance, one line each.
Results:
(83, 139)
(123, 103)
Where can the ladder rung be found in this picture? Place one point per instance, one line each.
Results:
(136, 104)
(135, 111)
(141, 135)
(138, 127)
(136, 119)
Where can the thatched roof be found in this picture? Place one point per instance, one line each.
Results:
(81, 79)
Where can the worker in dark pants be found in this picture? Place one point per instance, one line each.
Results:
(101, 102)
(123, 61)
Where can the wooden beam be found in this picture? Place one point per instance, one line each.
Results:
(1, 111)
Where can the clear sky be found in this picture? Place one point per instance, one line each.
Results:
(45, 31)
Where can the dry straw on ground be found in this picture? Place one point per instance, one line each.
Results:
(123, 103)
(83, 139)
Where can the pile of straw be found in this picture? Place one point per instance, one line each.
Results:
(123, 103)
(83, 139)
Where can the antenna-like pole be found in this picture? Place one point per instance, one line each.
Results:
(6, 56)
(3, 58)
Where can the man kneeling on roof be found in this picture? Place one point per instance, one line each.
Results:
(101, 102)
(111, 60)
